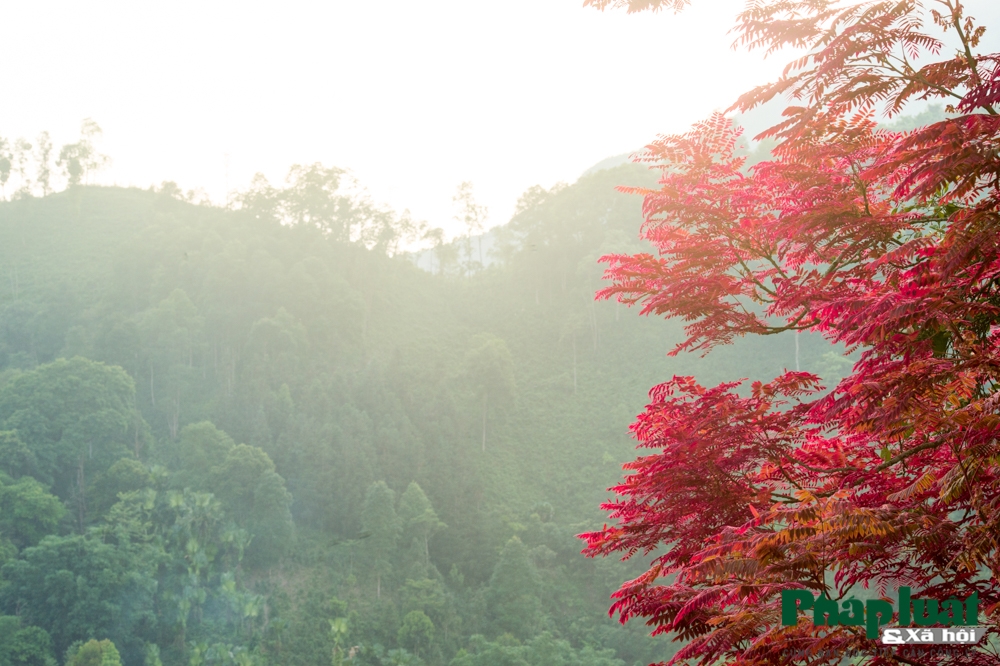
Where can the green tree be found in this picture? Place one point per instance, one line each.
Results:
(254, 495)
(311, 627)
(200, 448)
(43, 159)
(16, 459)
(126, 475)
(381, 527)
(385, 232)
(27, 511)
(170, 334)
(338, 635)
(275, 347)
(419, 520)
(73, 416)
(80, 159)
(429, 596)
(512, 597)
(832, 367)
(24, 646)
(543, 650)
(22, 155)
(473, 217)
(485, 653)
(6, 164)
(546, 650)
(315, 197)
(445, 252)
(490, 369)
(8, 551)
(416, 633)
(94, 653)
(195, 550)
(78, 586)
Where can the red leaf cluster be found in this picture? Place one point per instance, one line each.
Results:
(887, 242)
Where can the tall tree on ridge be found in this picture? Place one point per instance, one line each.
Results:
(380, 526)
(473, 217)
(490, 369)
(6, 164)
(419, 520)
(43, 159)
(22, 156)
(80, 159)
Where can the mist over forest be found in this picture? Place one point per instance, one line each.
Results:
(273, 432)
(629, 333)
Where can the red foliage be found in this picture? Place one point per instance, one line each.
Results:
(887, 242)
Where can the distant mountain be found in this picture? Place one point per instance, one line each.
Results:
(427, 259)
(610, 163)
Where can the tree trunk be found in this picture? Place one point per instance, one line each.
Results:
(177, 414)
(173, 423)
(81, 502)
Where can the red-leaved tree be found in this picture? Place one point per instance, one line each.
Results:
(886, 242)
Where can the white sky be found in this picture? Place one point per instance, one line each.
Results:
(414, 97)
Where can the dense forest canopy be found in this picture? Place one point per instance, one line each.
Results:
(259, 434)
(299, 427)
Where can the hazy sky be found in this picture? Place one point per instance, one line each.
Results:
(414, 97)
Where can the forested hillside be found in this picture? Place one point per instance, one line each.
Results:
(261, 435)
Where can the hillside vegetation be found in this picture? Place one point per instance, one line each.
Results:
(257, 436)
